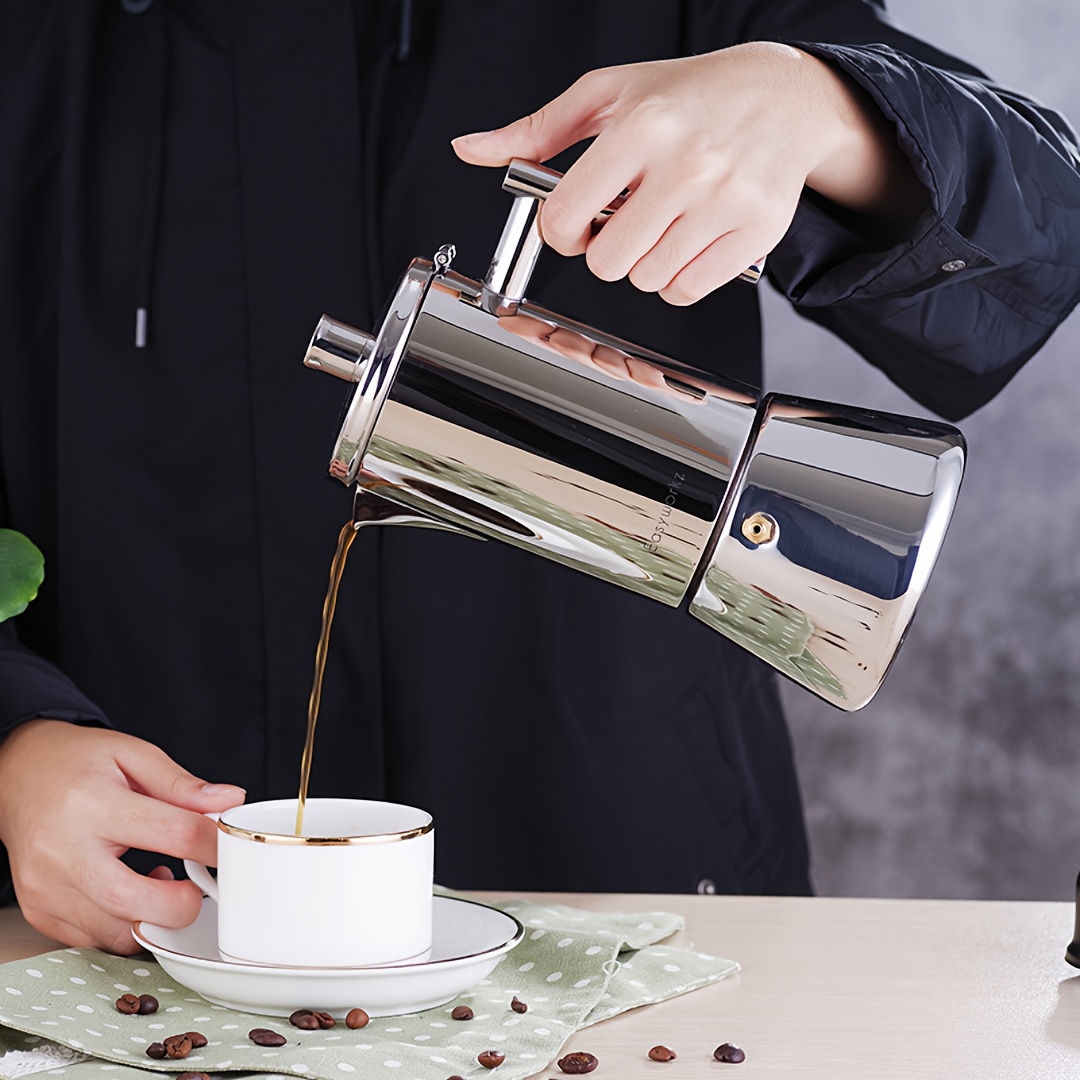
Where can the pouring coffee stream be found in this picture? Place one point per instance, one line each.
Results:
(337, 568)
(803, 530)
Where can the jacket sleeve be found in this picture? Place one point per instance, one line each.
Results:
(31, 686)
(954, 308)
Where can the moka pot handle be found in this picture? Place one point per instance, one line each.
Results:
(520, 244)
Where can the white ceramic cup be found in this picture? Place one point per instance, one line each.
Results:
(354, 890)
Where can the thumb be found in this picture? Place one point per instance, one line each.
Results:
(150, 771)
(577, 113)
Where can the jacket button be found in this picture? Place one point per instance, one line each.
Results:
(953, 265)
(706, 887)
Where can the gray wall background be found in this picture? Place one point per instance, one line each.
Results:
(962, 778)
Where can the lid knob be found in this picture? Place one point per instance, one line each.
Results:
(339, 349)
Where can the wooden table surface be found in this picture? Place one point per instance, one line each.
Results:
(837, 989)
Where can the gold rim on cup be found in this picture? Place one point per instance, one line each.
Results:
(323, 841)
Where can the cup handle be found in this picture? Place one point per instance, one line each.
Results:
(200, 875)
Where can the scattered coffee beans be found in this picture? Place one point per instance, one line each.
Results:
(266, 1037)
(729, 1053)
(461, 1012)
(147, 1004)
(519, 1006)
(491, 1058)
(128, 1004)
(156, 1051)
(198, 1039)
(661, 1053)
(177, 1046)
(578, 1062)
(356, 1018)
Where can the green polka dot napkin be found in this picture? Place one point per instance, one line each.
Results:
(573, 968)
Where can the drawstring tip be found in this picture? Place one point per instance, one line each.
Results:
(140, 328)
(405, 32)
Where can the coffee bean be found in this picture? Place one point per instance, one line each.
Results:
(266, 1037)
(729, 1053)
(310, 1020)
(193, 1076)
(461, 1012)
(198, 1039)
(661, 1053)
(147, 1004)
(356, 1018)
(177, 1046)
(128, 1004)
(578, 1062)
(157, 1051)
(519, 1006)
(490, 1059)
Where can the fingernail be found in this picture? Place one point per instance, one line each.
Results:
(213, 790)
(470, 137)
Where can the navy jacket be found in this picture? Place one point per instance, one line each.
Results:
(238, 167)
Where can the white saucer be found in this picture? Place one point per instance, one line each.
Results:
(467, 940)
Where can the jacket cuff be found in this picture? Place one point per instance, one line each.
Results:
(970, 143)
(30, 687)
(823, 261)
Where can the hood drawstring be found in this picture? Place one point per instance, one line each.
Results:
(370, 166)
(405, 16)
(158, 59)
(394, 52)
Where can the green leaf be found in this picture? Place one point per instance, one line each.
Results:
(22, 570)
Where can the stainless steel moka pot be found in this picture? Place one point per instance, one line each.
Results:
(802, 530)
